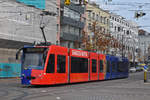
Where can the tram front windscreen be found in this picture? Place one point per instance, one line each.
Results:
(34, 58)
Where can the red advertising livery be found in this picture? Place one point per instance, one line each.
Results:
(47, 65)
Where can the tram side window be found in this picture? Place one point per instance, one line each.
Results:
(121, 67)
(79, 65)
(125, 66)
(94, 64)
(101, 65)
(113, 67)
(51, 64)
(108, 66)
(83, 65)
(61, 64)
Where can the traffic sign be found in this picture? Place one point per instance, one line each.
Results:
(145, 68)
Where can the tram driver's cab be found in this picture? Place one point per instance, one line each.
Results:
(32, 63)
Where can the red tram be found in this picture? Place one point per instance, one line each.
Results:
(47, 65)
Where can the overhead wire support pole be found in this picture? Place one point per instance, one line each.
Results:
(42, 29)
(134, 54)
(43, 25)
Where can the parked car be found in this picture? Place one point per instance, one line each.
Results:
(139, 69)
(132, 69)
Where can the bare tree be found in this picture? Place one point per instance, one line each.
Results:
(99, 41)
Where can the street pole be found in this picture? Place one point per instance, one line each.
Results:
(144, 51)
(122, 46)
(134, 56)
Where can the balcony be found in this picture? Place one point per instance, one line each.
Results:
(72, 22)
(70, 37)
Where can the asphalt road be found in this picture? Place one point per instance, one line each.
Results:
(132, 88)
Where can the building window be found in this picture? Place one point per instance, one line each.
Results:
(124, 31)
(89, 26)
(127, 32)
(119, 29)
(57, 11)
(89, 15)
(104, 30)
(57, 27)
(111, 25)
(104, 20)
(107, 21)
(112, 18)
(97, 17)
(108, 31)
(115, 28)
(101, 19)
(117, 20)
(93, 16)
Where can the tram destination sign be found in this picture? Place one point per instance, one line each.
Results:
(79, 53)
(34, 50)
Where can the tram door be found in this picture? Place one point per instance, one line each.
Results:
(60, 62)
(108, 67)
(61, 68)
(113, 67)
(93, 66)
(102, 68)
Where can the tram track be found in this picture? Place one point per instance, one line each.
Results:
(26, 93)
(8, 94)
(3, 92)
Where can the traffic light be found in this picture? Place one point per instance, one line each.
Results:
(67, 2)
(142, 14)
(137, 15)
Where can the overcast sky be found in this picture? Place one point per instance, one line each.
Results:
(127, 9)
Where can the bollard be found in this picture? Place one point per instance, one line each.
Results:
(145, 76)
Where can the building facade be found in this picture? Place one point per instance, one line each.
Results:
(98, 18)
(20, 25)
(95, 14)
(144, 44)
(126, 32)
(21, 20)
(72, 21)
